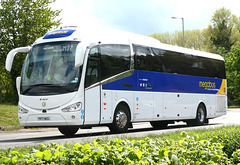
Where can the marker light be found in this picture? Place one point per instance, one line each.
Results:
(22, 110)
(73, 107)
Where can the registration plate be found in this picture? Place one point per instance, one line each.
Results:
(43, 118)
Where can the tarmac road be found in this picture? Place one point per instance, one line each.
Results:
(31, 137)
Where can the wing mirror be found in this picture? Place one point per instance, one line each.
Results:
(11, 55)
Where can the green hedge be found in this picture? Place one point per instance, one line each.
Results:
(189, 150)
(230, 139)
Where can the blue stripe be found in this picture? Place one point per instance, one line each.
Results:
(165, 82)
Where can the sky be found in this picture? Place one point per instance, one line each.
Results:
(142, 16)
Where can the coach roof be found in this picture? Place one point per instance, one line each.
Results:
(98, 35)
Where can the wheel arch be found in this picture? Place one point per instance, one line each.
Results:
(121, 118)
(125, 103)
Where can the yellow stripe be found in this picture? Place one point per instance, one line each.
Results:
(222, 90)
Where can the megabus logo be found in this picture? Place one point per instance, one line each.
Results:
(207, 85)
(58, 34)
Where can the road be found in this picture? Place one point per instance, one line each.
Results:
(31, 137)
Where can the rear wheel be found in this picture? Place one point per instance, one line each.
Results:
(121, 120)
(68, 130)
(200, 117)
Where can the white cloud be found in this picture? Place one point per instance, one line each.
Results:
(75, 12)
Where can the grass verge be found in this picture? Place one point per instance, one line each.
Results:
(9, 117)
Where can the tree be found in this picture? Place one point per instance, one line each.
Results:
(21, 23)
(193, 38)
(220, 31)
(167, 38)
(232, 60)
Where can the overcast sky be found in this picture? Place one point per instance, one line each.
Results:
(142, 16)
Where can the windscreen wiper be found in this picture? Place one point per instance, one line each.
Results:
(37, 85)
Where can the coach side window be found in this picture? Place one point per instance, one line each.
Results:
(172, 62)
(143, 58)
(157, 60)
(219, 67)
(215, 68)
(115, 59)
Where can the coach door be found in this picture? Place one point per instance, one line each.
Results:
(144, 96)
(92, 88)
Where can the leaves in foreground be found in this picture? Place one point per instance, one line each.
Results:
(188, 150)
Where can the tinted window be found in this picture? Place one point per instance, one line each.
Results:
(157, 61)
(114, 59)
(180, 63)
(143, 58)
(215, 68)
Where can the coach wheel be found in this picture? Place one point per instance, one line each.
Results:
(159, 124)
(200, 117)
(68, 130)
(121, 120)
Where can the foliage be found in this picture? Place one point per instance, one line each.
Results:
(222, 32)
(233, 75)
(221, 28)
(230, 139)
(21, 23)
(228, 136)
(193, 38)
(188, 150)
(9, 117)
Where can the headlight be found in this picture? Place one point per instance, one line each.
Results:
(22, 110)
(73, 107)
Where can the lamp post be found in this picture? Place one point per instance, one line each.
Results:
(182, 26)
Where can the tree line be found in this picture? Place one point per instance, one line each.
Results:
(222, 36)
(23, 21)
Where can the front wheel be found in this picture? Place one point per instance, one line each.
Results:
(68, 130)
(121, 120)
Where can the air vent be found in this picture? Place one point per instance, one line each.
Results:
(68, 27)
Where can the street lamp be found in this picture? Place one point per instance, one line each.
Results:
(182, 25)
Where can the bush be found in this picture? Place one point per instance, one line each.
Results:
(230, 139)
(236, 157)
(220, 146)
(189, 150)
(8, 98)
